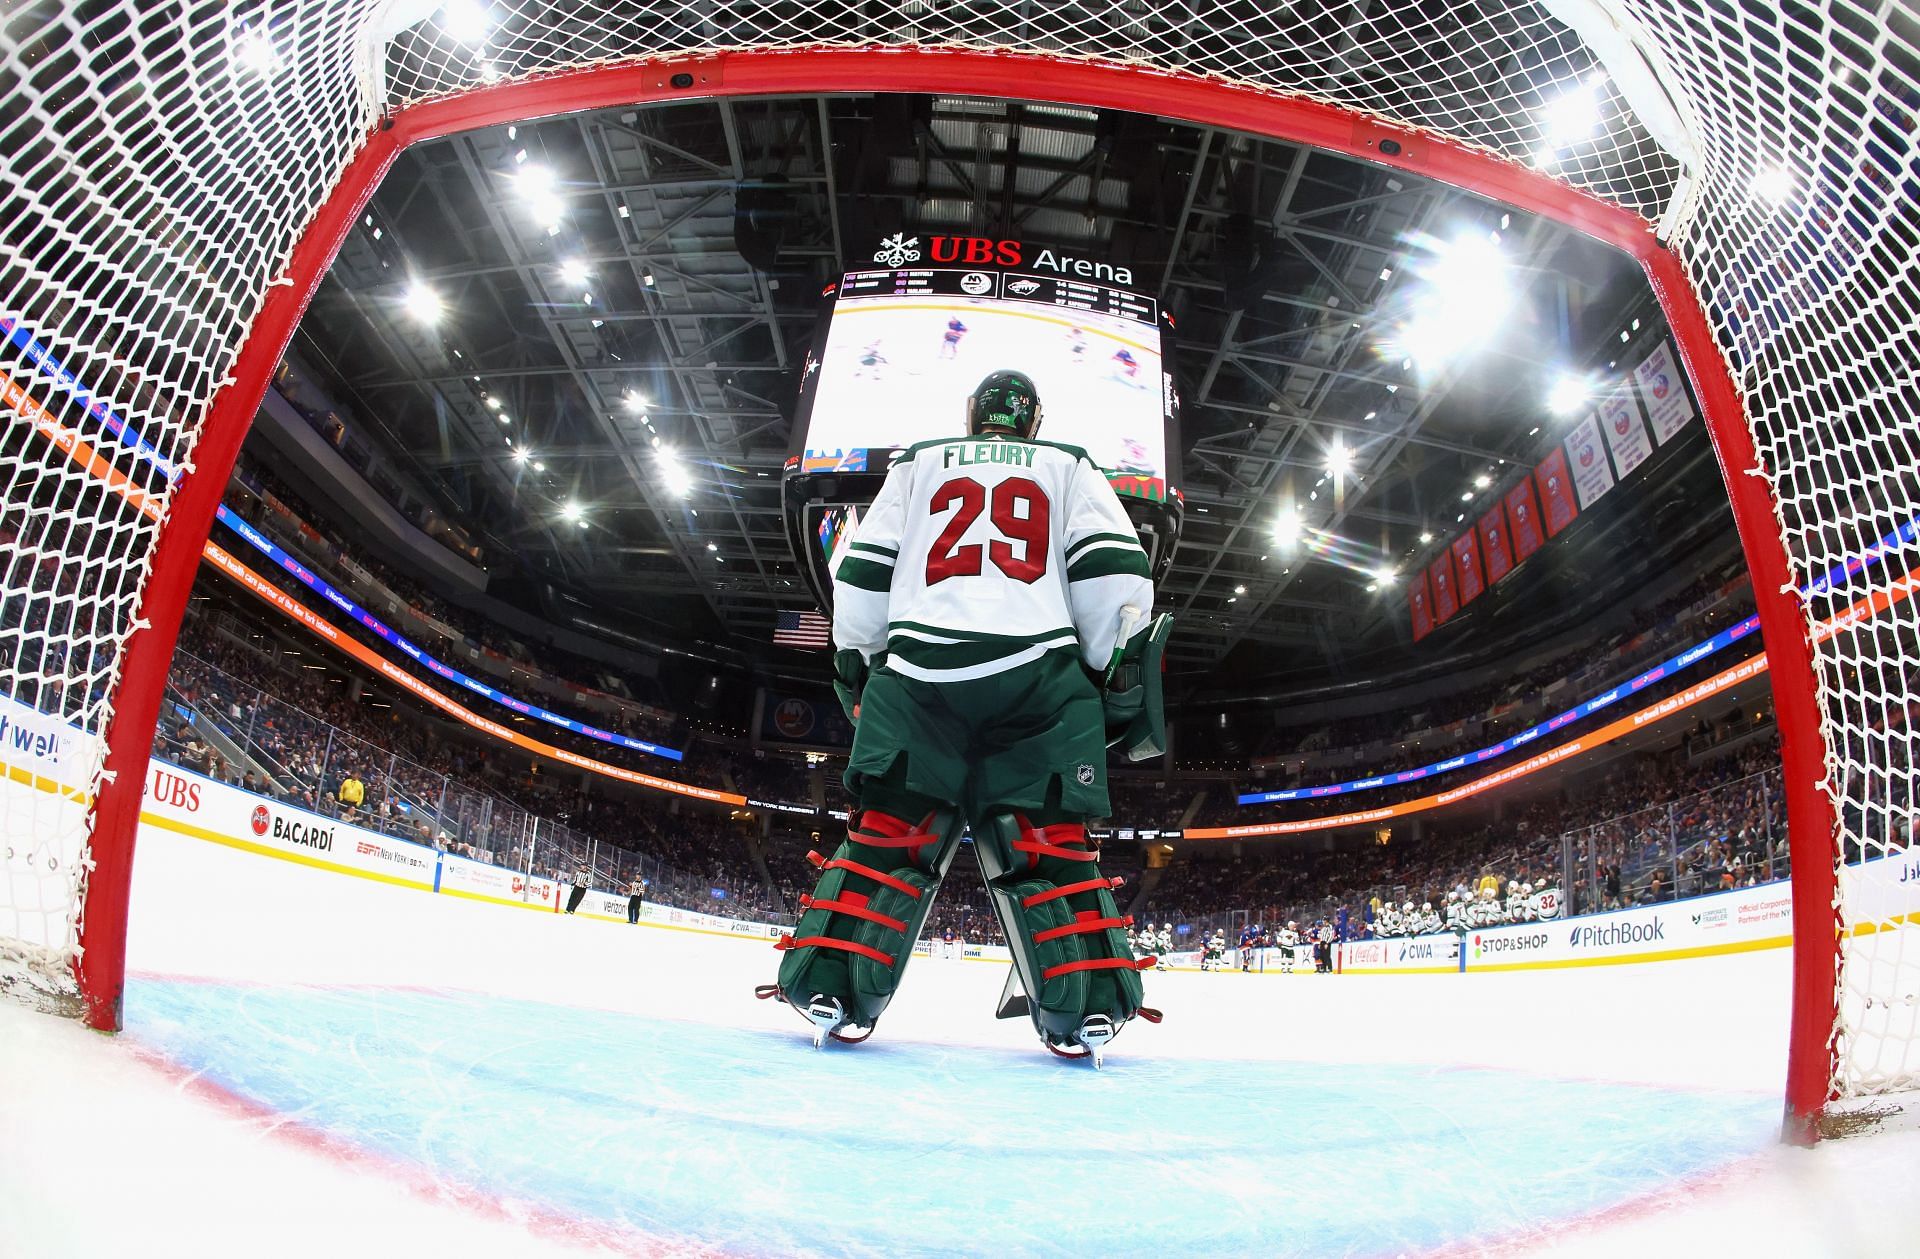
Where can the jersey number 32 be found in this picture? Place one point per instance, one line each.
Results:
(1020, 512)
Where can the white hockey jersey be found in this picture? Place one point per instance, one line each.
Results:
(982, 554)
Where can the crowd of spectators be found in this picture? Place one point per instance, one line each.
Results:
(1660, 828)
(1704, 607)
(302, 738)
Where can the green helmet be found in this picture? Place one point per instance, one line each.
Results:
(1007, 401)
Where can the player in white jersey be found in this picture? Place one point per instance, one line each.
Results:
(1456, 921)
(1162, 946)
(1516, 903)
(1429, 921)
(1546, 900)
(1286, 940)
(1389, 922)
(992, 619)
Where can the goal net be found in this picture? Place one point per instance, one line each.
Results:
(180, 177)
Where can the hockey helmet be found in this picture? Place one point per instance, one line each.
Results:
(1526, 889)
(1005, 402)
(1407, 908)
(1427, 907)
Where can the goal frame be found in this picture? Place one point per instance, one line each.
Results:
(100, 966)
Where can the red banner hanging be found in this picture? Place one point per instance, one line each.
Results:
(1445, 601)
(1556, 492)
(1466, 567)
(1418, 605)
(1494, 544)
(1523, 515)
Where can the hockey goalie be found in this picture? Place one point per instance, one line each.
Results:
(993, 636)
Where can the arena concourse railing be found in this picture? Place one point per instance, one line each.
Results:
(178, 187)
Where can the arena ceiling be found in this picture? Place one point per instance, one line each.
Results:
(528, 316)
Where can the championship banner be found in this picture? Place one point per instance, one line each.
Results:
(1556, 492)
(1466, 566)
(1493, 543)
(1626, 435)
(1668, 404)
(1440, 573)
(1592, 474)
(1418, 599)
(1523, 517)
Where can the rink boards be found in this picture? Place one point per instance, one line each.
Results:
(42, 757)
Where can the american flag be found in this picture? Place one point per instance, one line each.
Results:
(803, 629)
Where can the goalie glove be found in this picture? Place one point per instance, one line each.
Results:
(849, 680)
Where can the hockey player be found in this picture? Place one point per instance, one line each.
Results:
(1516, 904)
(991, 620)
(1389, 924)
(1215, 954)
(1491, 914)
(1249, 938)
(1162, 946)
(1527, 906)
(1288, 939)
(1546, 899)
(1429, 921)
(950, 339)
(1456, 921)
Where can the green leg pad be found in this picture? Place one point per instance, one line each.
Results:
(863, 983)
(1058, 1005)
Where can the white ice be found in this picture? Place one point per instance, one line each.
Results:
(106, 1149)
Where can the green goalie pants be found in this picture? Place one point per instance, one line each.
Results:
(1019, 758)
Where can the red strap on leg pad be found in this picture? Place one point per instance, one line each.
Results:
(1051, 841)
(884, 830)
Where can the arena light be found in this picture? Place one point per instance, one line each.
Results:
(1425, 538)
(571, 510)
(254, 52)
(536, 185)
(522, 455)
(673, 473)
(1774, 184)
(1568, 394)
(1574, 114)
(422, 302)
(1385, 575)
(1339, 460)
(1286, 527)
(634, 402)
(1465, 295)
(573, 272)
(1482, 481)
(467, 22)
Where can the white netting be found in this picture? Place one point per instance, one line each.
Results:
(161, 165)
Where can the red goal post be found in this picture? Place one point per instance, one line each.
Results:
(182, 190)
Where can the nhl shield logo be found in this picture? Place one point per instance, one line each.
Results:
(1085, 775)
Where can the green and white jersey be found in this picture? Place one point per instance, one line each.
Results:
(981, 554)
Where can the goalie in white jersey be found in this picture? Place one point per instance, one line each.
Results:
(993, 630)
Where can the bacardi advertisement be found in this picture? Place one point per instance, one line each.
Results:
(189, 803)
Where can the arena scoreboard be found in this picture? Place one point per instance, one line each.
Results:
(898, 349)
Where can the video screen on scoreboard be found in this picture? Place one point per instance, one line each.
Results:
(903, 348)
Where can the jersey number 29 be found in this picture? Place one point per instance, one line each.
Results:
(1011, 498)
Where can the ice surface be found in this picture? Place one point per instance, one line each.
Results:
(353, 1066)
